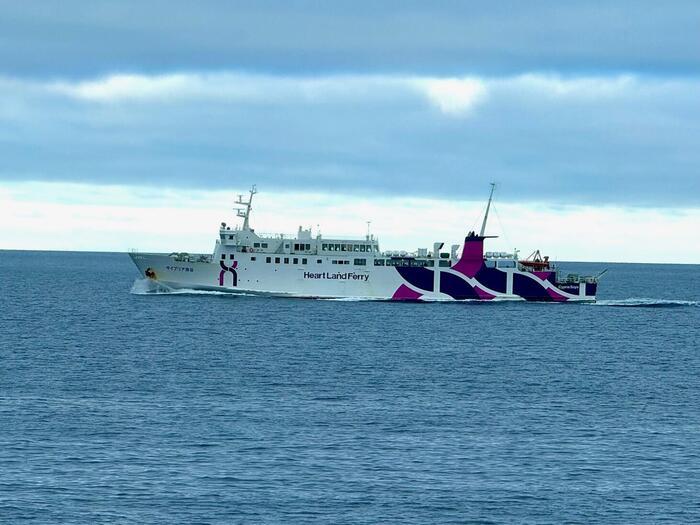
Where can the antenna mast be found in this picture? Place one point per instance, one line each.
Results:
(488, 207)
(245, 213)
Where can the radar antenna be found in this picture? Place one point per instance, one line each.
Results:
(488, 207)
(245, 211)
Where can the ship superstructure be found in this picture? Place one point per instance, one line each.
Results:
(307, 265)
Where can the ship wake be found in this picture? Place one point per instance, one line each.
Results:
(151, 287)
(644, 302)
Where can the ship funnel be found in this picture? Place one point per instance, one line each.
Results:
(472, 258)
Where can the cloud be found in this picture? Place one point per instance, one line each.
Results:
(410, 37)
(454, 96)
(117, 218)
(553, 138)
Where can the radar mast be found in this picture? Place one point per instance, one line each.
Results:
(245, 211)
(488, 207)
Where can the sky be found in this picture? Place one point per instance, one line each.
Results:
(134, 124)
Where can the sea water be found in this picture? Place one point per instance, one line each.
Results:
(123, 403)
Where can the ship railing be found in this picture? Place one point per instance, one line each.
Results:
(276, 236)
(574, 278)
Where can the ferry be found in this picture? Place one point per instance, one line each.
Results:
(304, 265)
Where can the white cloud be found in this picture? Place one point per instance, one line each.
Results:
(117, 218)
(574, 87)
(454, 96)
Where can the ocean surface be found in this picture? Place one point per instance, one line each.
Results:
(120, 406)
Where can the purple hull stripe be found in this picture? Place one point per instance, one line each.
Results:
(419, 277)
(404, 293)
(529, 289)
(556, 296)
(545, 276)
(493, 279)
(591, 289)
(483, 294)
(456, 287)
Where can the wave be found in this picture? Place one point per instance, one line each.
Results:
(643, 302)
(151, 287)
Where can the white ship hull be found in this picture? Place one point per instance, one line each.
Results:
(323, 279)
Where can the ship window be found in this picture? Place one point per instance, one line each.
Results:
(268, 259)
(506, 264)
(223, 256)
(296, 246)
(490, 264)
(343, 247)
(252, 258)
(304, 261)
(286, 260)
(296, 261)
(230, 236)
(307, 246)
(356, 247)
(379, 262)
(430, 263)
(325, 247)
(318, 261)
(256, 245)
(360, 262)
(230, 256)
(444, 263)
(277, 260)
(264, 245)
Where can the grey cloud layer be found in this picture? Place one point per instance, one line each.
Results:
(80, 39)
(620, 139)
